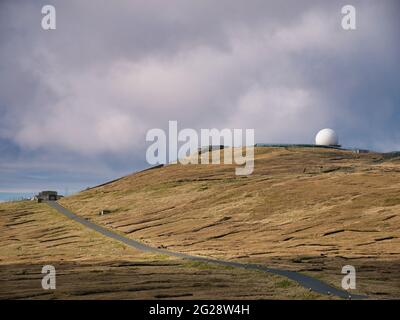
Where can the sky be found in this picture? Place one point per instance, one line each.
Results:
(76, 102)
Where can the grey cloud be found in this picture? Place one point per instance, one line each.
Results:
(85, 94)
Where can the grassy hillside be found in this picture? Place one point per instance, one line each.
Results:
(312, 210)
(90, 266)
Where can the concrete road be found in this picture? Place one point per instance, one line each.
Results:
(305, 281)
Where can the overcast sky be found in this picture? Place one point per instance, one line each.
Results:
(76, 102)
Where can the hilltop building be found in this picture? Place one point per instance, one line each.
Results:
(327, 137)
(47, 196)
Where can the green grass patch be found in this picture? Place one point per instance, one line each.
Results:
(391, 202)
(201, 265)
(284, 284)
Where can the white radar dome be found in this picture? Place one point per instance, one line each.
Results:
(327, 137)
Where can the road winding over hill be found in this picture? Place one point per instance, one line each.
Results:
(303, 280)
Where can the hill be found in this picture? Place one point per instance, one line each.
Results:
(312, 210)
(91, 266)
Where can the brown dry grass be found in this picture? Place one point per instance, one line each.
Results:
(90, 266)
(312, 210)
